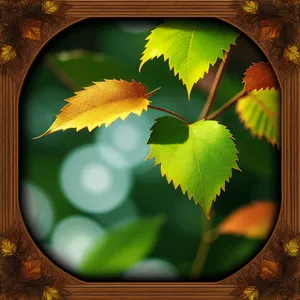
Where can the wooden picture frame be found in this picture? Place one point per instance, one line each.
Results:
(12, 228)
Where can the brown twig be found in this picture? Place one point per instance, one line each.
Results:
(219, 111)
(169, 112)
(215, 86)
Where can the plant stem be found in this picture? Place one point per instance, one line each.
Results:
(208, 237)
(169, 112)
(226, 105)
(215, 86)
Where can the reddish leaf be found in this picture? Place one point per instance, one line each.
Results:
(253, 221)
(270, 270)
(270, 29)
(260, 76)
(31, 29)
(31, 270)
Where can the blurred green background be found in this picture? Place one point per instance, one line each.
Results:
(79, 187)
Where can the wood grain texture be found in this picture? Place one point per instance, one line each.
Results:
(290, 164)
(8, 151)
(290, 129)
(150, 8)
(150, 290)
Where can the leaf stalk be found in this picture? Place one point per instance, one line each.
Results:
(224, 107)
(215, 86)
(169, 112)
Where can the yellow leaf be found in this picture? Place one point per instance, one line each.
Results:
(253, 220)
(102, 103)
(251, 293)
(292, 53)
(8, 248)
(260, 112)
(50, 293)
(7, 53)
(292, 248)
(250, 7)
(50, 7)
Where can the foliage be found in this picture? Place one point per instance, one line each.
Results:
(190, 46)
(122, 247)
(260, 76)
(259, 111)
(86, 109)
(198, 157)
(204, 150)
(254, 220)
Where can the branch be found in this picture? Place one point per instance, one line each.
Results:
(169, 112)
(215, 86)
(219, 111)
(208, 237)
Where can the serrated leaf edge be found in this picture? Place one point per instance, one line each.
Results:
(244, 82)
(253, 133)
(185, 190)
(205, 72)
(106, 124)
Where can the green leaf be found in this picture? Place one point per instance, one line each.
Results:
(190, 46)
(260, 112)
(197, 157)
(77, 69)
(122, 247)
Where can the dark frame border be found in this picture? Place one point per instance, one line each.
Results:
(9, 151)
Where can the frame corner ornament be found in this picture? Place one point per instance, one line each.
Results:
(24, 274)
(24, 25)
(276, 274)
(275, 25)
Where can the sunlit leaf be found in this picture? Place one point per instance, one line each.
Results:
(260, 112)
(190, 46)
(254, 220)
(102, 103)
(122, 247)
(198, 157)
(260, 76)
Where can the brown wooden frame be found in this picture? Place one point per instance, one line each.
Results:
(9, 152)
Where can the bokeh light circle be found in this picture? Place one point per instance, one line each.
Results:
(72, 237)
(91, 183)
(128, 137)
(37, 210)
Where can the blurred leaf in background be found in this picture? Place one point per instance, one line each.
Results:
(79, 189)
(122, 247)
